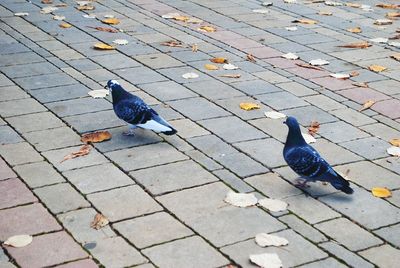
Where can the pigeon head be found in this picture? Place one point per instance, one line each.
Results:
(291, 122)
(294, 135)
(112, 84)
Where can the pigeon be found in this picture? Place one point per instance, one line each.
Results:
(136, 112)
(306, 161)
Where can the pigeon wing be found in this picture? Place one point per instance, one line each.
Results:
(133, 111)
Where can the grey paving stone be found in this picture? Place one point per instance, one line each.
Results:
(188, 129)
(272, 127)
(345, 255)
(203, 160)
(226, 128)
(175, 74)
(145, 156)
(271, 77)
(171, 177)
(305, 115)
(296, 89)
(219, 223)
(38, 174)
(323, 102)
(168, 90)
(29, 69)
(379, 256)
(389, 163)
(281, 100)
(330, 152)
(8, 135)
(158, 61)
(56, 203)
(19, 153)
(353, 117)
(197, 108)
(213, 89)
(94, 121)
(53, 138)
(291, 255)
(233, 181)
(233, 106)
(151, 230)
(119, 61)
(370, 148)
(35, 122)
(348, 234)
(327, 263)
(187, 252)
(20, 107)
(363, 208)
(98, 75)
(55, 156)
(189, 56)
(20, 58)
(78, 106)
(127, 202)
(12, 93)
(390, 234)
(381, 131)
(303, 228)
(340, 132)
(5, 81)
(3, 257)
(60, 93)
(45, 81)
(140, 75)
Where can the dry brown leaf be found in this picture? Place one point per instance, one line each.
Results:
(86, 7)
(172, 43)
(207, 29)
(368, 104)
(354, 74)
(99, 221)
(47, 2)
(103, 29)
(61, 5)
(219, 60)
(84, 150)
(250, 58)
(381, 192)
(393, 14)
(211, 67)
(231, 75)
(308, 66)
(355, 30)
(387, 6)
(195, 48)
(305, 21)
(360, 84)
(396, 56)
(102, 46)
(376, 68)
(247, 106)
(313, 128)
(394, 37)
(98, 136)
(383, 22)
(363, 44)
(112, 21)
(395, 142)
(355, 5)
(181, 18)
(65, 25)
(325, 13)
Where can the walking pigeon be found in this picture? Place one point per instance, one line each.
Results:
(306, 161)
(136, 112)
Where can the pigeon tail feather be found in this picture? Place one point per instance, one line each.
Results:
(339, 183)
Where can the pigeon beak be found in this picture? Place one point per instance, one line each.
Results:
(106, 87)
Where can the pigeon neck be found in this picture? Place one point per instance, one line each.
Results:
(294, 136)
(118, 93)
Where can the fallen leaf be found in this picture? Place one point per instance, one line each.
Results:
(266, 240)
(99, 221)
(120, 42)
(100, 93)
(172, 43)
(47, 2)
(89, 16)
(360, 84)
(274, 115)
(290, 56)
(85, 8)
(219, 60)
(395, 142)
(368, 104)
(247, 106)
(261, 11)
(190, 75)
(94, 137)
(84, 150)
(195, 48)
(394, 151)
(290, 1)
(291, 29)
(231, 75)
(65, 25)
(267, 4)
(387, 6)
(83, 3)
(308, 66)
(109, 16)
(61, 5)
(379, 40)
(57, 17)
(211, 67)
(313, 128)
(355, 30)
(393, 14)
(18, 241)
(240, 199)
(355, 5)
(332, 3)
(266, 260)
(325, 13)
(273, 205)
(47, 10)
(103, 29)
(181, 18)
(305, 21)
(21, 14)
(383, 22)
(102, 46)
(363, 44)
(230, 67)
(376, 68)
(397, 36)
(318, 62)
(170, 15)
(354, 73)
(207, 29)
(366, 8)
(308, 138)
(381, 192)
(112, 21)
(194, 20)
(340, 75)
(250, 58)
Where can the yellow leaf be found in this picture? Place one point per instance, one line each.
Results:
(250, 58)
(112, 21)
(355, 30)
(381, 192)
(353, 5)
(195, 48)
(103, 46)
(396, 56)
(363, 44)
(207, 29)
(388, 6)
(85, 8)
(376, 68)
(395, 142)
(211, 67)
(231, 75)
(325, 13)
(181, 18)
(367, 105)
(393, 14)
(305, 21)
(65, 25)
(219, 60)
(249, 106)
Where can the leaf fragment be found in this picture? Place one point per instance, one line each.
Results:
(274, 115)
(229, 66)
(100, 93)
(354, 5)
(266, 240)
(112, 21)
(207, 29)
(368, 104)
(379, 40)
(219, 60)
(181, 18)
(104, 29)
(247, 106)
(250, 58)
(211, 67)
(21, 14)
(266, 260)
(363, 44)
(261, 11)
(376, 68)
(170, 15)
(393, 14)
(47, 10)
(18, 241)
(172, 43)
(84, 150)
(395, 142)
(308, 66)
(65, 25)
(57, 17)
(273, 205)
(383, 22)
(325, 13)
(313, 128)
(231, 75)
(240, 199)
(360, 84)
(333, 4)
(305, 21)
(86, 7)
(120, 42)
(308, 138)
(94, 137)
(394, 151)
(47, 2)
(355, 30)
(340, 75)
(318, 62)
(195, 48)
(190, 75)
(290, 56)
(89, 16)
(387, 6)
(102, 46)
(354, 74)
(291, 28)
(99, 221)
(381, 192)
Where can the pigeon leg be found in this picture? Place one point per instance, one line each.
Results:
(301, 183)
(130, 131)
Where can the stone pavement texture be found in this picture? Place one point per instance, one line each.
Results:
(163, 195)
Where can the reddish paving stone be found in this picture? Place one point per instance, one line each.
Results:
(31, 219)
(361, 95)
(158, 8)
(390, 108)
(263, 52)
(283, 63)
(5, 171)
(47, 250)
(225, 35)
(333, 83)
(79, 264)
(309, 73)
(242, 43)
(13, 193)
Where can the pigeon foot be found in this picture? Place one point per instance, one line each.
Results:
(301, 183)
(129, 132)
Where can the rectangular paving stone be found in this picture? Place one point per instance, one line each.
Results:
(47, 250)
(233, 181)
(348, 257)
(168, 90)
(362, 96)
(272, 127)
(303, 228)
(20, 58)
(281, 100)
(60, 93)
(44, 81)
(94, 121)
(370, 148)
(20, 107)
(9, 136)
(171, 177)
(29, 69)
(175, 74)
(158, 61)
(127, 202)
(35, 122)
(379, 256)
(12, 93)
(78, 106)
(381, 131)
(305, 115)
(30, 219)
(330, 151)
(146, 156)
(353, 117)
(323, 102)
(390, 234)
(213, 89)
(5, 171)
(188, 129)
(330, 262)
(19, 153)
(38, 174)
(203, 160)
(204, 210)
(87, 263)
(119, 61)
(233, 106)
(140, 75)
(152, 229)
(13, 193)
(340, 132)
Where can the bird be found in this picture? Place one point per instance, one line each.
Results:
(306, 161)
(136, 112)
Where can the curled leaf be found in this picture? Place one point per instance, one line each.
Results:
(94, 137)
(318, 62)
(376, 68)
(355, 5)
(305, 21)
(211, 67)
(340, 76)
(395, 142)
(87, 7)
(229, 66)
(266, 240)
(313, 128)
(381, 192)
(250, 58)
(368, 104)
(273, 205)
(100, 93)
(333, 4)
(120, 42)
(219, 60)
(240, 199)
(65, 25)
(360, 84)
(291, 28)
(21, 14)
(207, 29)
(84, 150)
(47, 10)
(394, 151)
(112, 21)
(308, 66)
(57, 17)
(247, 106)
(383, 22)
(99, 221)
(170, 15)
(181, 18)
(231, 75)
(195, 48)
(290, 56)
(274, 115)
(102, 46)
(387, 6)
(103, 29)
(19, 241)
(354, 73)
(355, 30)
(325, 13)
(47, 2)
(363, 44)
(190, 75)
(172, 43)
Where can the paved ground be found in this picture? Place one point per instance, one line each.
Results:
(164, 195)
